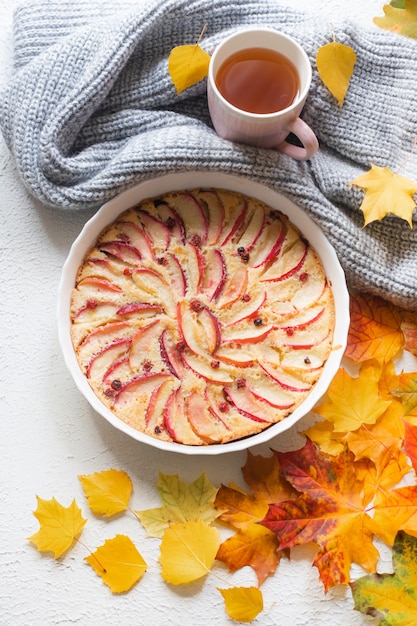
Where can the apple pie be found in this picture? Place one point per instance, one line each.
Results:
(202, 316)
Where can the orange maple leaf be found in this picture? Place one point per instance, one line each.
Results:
(409, 328)
(375, 329)
(252, 545)
(396, 510)
(328, 512)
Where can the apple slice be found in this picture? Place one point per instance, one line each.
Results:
(290, 262)
(121, 250)
(173, 221)
(215, 214)
(99, 284)
(204, 423)
(253, 229)
(268, 250)
(176, 422)
(195, 267)
(204, 368)
(306, 360)
(234, 356)
(170, 356)
(249, 333)
(303, 340)
(155, 287)
(105, 334)
(215, 274)
(138, 238)
(272, 394)
(232, 230)
(192, 214)
(137, 390)
(284, 379)
(144, 309)
(102, 268)
(211, 328)
(117, 375)
(247, 310)
(177, 276)
(191, 332)
(311, 290)
(249, 406)
(235, 287)
(157, 231)
(103, 360)
(154, 420)
(304, 319)
(95, 312)
(142, 342)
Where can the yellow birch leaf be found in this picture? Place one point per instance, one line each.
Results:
(187, 65)
(188, 551)
(118, 562)
(353, 401)
(107, 492)
(335, 63)
(243, 604)
(59, 526)
(386, 193)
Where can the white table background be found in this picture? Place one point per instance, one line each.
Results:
(49, 435)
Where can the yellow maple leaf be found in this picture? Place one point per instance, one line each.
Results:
(181, 502)
(59, 526)
(335, 64)
(243, 604)
(353, 401)
(386, 193)
(399, 20)
(324, 435)
(187, 65)
(119, 563)
(188, 551)
(107, 492)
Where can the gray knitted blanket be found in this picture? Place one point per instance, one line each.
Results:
(91, 110)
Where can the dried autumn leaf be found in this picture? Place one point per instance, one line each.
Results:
(243, 604)
(252, 545)
(119, 563)
(391, 597)
(187, 65)
(399, 19)
(335, 64)
(188, 551)
(59, 526)
(381, 441)
(328, 512)
(410, 443)
(385, 477)
(107, 492)
(406, 392)
(409, 329)
(353, 402)
(375, 330)
(324, 435)
(386, 193)
(396, 510)
(181, 503)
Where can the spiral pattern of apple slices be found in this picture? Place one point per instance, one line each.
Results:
(202, 316)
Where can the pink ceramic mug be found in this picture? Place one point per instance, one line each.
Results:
(266, 130)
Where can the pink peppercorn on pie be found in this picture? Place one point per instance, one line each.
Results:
(202, 316)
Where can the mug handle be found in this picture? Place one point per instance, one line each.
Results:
(309, 140)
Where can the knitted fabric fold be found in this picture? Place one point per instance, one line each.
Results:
(91, 110)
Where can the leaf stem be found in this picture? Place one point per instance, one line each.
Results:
(91, 554)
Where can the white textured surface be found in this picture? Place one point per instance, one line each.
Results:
(49, 435)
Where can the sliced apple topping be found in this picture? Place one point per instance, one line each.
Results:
(202, 316)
